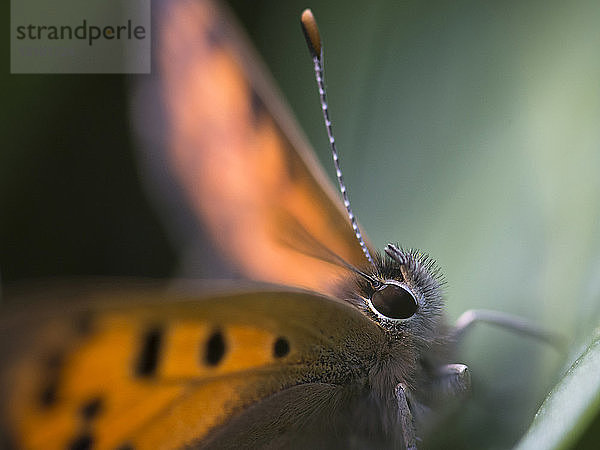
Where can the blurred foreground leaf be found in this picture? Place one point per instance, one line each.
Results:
(570, 407)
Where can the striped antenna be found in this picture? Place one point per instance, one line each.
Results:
(313, 39)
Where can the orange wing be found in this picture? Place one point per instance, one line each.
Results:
(248, 174)
(147, 369)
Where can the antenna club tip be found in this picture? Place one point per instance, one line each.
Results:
(307, 15)
(311, 32)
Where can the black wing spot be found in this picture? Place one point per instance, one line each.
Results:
(7, 441)
(55, 361)
(215, 349)
(150, 351)
(257, 106)
(83, 442)
(125, 446)
(216, 34)
(48, 394)
(281, 347)
(83, 323)
(91, 409)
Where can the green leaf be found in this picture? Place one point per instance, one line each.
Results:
(570, 407)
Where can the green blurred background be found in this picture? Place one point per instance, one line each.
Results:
(467, 129)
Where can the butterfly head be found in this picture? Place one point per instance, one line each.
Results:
(402, 293)
(402, 287)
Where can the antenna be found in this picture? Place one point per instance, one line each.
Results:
(313, 39)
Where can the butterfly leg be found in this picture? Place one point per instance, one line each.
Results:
(453, 380)
(406, 418)
(507, 321)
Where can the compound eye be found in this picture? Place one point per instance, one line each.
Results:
(394, 301)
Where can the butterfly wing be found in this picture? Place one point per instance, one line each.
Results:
(246, 171)
(143, 369)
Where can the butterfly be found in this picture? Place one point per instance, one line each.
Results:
(319, 347)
